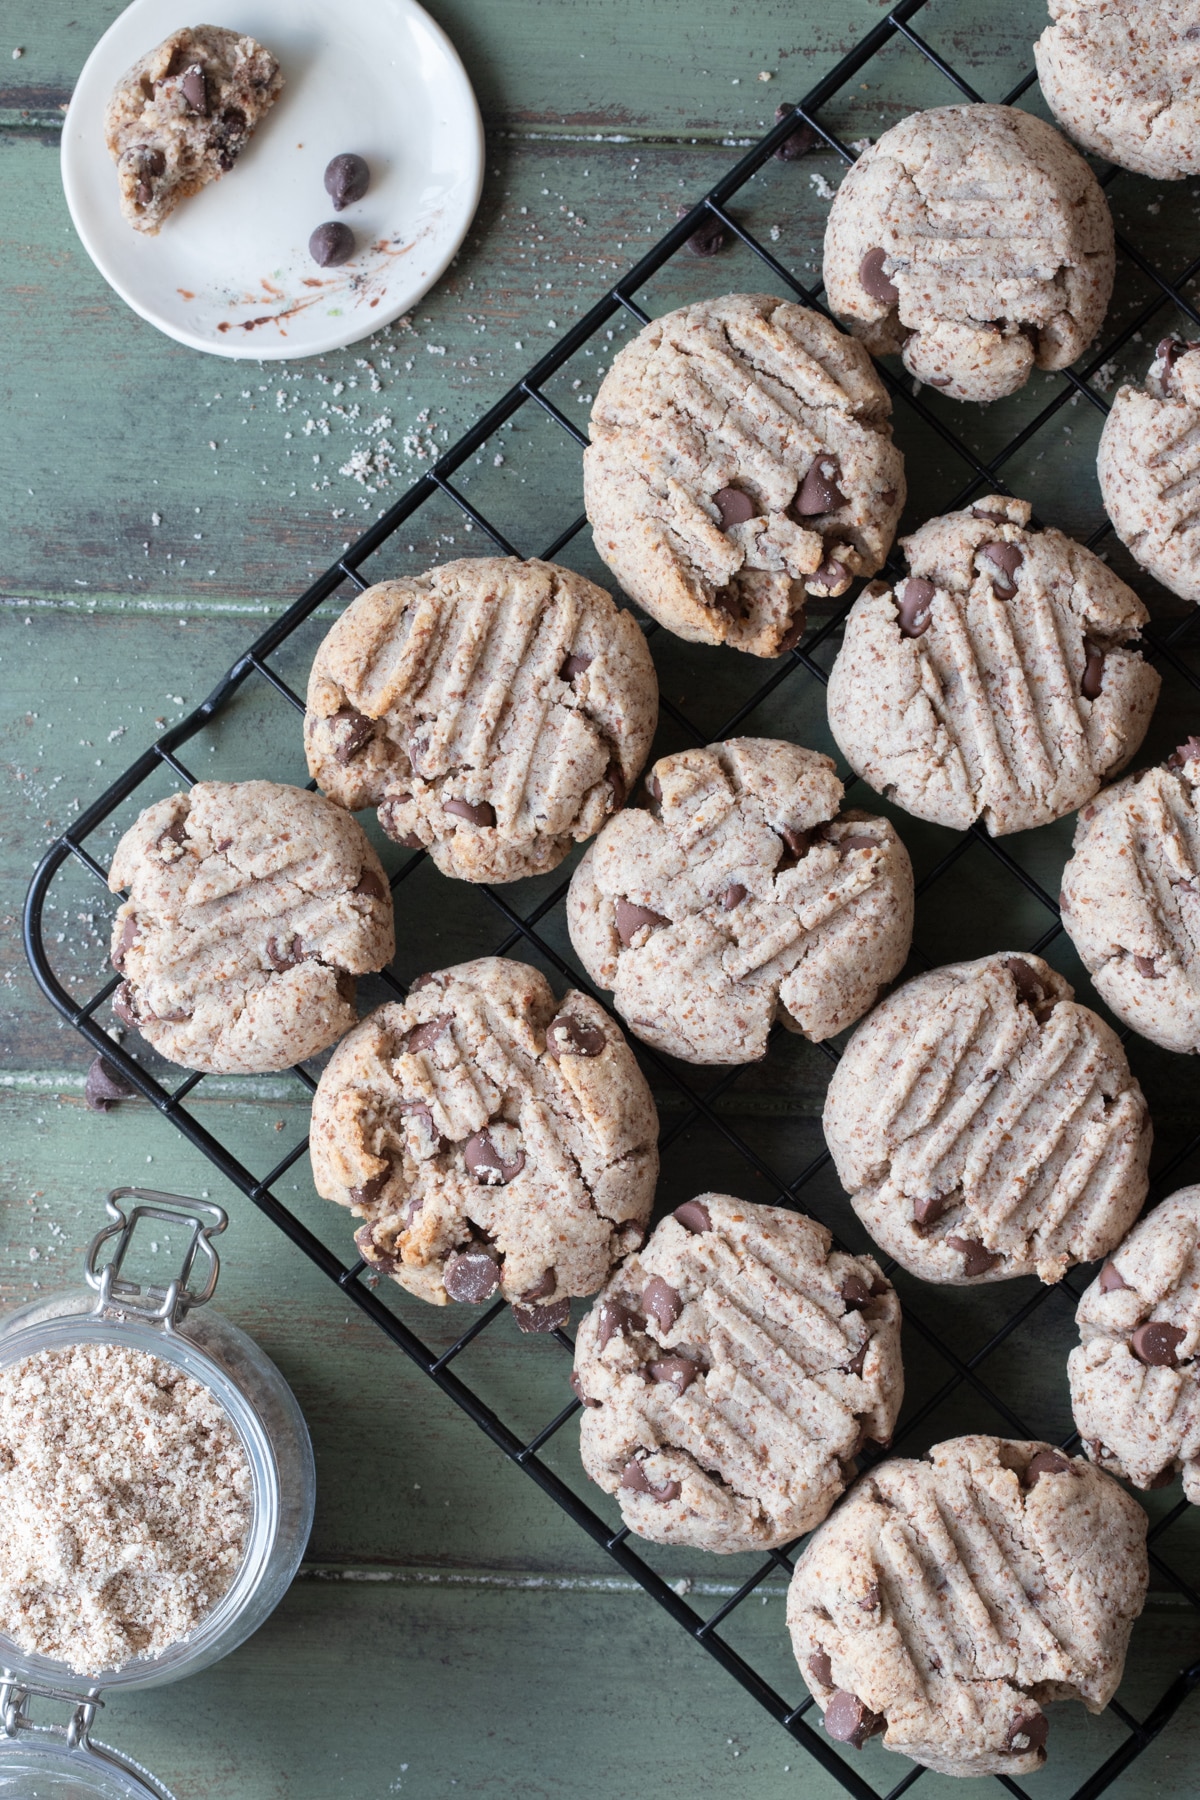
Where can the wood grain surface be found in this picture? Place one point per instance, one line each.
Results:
(452, 1630)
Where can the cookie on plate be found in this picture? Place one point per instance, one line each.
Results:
(1135, 1381)
(182, 116)
(1123, 77)
(998, 680)
(975, 241)
(985, 1125)
(730, 1374)
(494, 711)
(1148, 461)
(737, 893)
(948, 1599)
(495, 1140)
(252, 906)
(741, 460)
(1131, 899)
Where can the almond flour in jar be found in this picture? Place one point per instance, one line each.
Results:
(125, 1496)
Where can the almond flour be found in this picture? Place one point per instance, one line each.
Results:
(126, 1497)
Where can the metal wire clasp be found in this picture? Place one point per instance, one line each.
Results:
(168, 1305)
(14, 1711)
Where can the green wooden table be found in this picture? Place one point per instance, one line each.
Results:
(451, 1628)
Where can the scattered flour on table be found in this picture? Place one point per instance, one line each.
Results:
(125, 1494)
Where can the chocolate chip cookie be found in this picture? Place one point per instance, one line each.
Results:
(1131, 898)
(1123, 77)
(495, 1141)
(948, 1599)
(741, 460)
(737, 893)
(975, 241)
(998, 679)
(495, 711)
(985, 1125)
(731, 1372)
(1148, 461)
(1135, 1381)
(252, 906)
(182, 116)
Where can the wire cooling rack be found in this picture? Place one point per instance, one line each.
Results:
(694, 1099)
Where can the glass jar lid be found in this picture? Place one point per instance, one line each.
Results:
(44, 1760)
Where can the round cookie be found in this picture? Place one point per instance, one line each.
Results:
(996, 680)
(949, 1598)
(494, 1140)
(1123, 77)
(252, 906)
(495, 712)
(183, 114)
(1131, 899)
(1148, 460)
(1135, 1381)
(739, 893)
(977, 242)
(741, 459)
(985, 1125)
(730, 1374)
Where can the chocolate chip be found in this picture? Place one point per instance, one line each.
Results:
(371, 886)
(793, 634)
(855, 1365)
(1145, 966)
(370, 1251)
(1093, 670)
(370, 1190)
(913, 606)
(616, 781)
(569, 1036)
(150, 164)
(421, 1037)
(347, 179)
(283, 955)
(661, 1303)
(174, 834)
(634, 1477)
(542, 1318)
(821, 1669)
(888, 496)
(125, 1006)
(421, 981)
(228, 137)
(471, 1275)
(848, 1720)
(331, 244)
(928, 1210)
(1156, 1342)
(870, 1600)
(733, 896)
(481, 814)
(1026, 981)
(542, 1288)
(939, 381)
(997, 518)
(874, 280)
(419, 1109)
(856, 841)
(731, 600)
(1186, 753)
(104, 1085)
(631, 918)
(1111, 1279)
(349, 732)
(574, 665)
(486, 1164)
(819, 491)
(616, 1318)
(854, 1290)
(1046, 1462)
(1028, 1731)
(831, 574)
(797, 842)
(1163, 1479)
(977, 1259)
(193, 85)
(129, 931)
(797, 143)
(654, 789)
(577, 1386)
(735, 506)
(1005, 560)
(677, 1372)
(693, 1216)
(708, 238)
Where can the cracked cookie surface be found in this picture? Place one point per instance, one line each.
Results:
(1135, 1381)
(183, 114)
(495, 711)
(1148, 462)
(738, 894)
(741, 460)
(252, 906)
(496, 1141)
(731, 1372)
(986, 1125)
(976, 242)
(948, 1599)
(1131, 899)
(998, 679)
(1123, 77)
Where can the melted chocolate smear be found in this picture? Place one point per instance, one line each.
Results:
(735, 506)
(913, 606)
(693, 1216)
(569, 1036)
(485, 1163)
(630, 920)
(1156, 1343)
(104, 1086)
(471, 1276)
(480, 814)
(874, 280)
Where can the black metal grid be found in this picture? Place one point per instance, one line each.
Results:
(981, 473)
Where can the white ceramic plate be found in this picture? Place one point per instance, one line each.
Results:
(230, 271)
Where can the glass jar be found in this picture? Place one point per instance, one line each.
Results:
(61, 1759)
